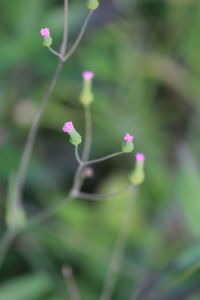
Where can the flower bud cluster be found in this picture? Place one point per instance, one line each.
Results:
(137, 176)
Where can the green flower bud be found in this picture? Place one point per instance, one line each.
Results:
(47, 42)
(92, 4)
(47, 39)
(137, 176)
(75, 137)
(127, 145)
(86, 96)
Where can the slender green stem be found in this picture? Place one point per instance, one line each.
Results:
(26, 154)
(77, 41)
(88, 133)
(77, 181)
(55, 52)
(117, 256)
(97, 197)
(65, 30)
(80, 162)
(71, 283)
(98, 160)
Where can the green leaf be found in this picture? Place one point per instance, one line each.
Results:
(27, 287)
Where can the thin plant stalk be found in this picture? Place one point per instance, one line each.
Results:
(96, 197)
(26, 154)
(65, 30)
(71, 283)
(77, 41)
(79, 161)
(98, 160)
(117, 255)
(88, 133)
(55, 52)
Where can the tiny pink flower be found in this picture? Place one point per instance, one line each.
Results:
(128, 137)
(68, 127)
(87, 75)
(45, 32)
(139, 157)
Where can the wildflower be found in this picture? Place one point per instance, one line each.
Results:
(47, 39)
(86, 96)
(127, 145)
(87, 75)
(137, 176)
(45, 32)
(75, 137)
(68, 127)
(140, 157)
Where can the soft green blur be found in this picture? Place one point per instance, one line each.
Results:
(146, 58)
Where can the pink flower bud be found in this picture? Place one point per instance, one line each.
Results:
(45, 32)
(68, 127)
(128, 137)
(87, 75)
(139, 157)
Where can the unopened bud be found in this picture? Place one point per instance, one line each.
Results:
(127, 145)
(92, 4)
(137, 176)
(86, 96)
(75, 137)
(47, 39)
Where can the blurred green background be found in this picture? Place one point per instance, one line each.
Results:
(146, 57)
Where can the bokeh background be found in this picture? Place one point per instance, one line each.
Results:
(146, 57)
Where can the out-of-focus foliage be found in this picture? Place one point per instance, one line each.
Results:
(145, 55)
